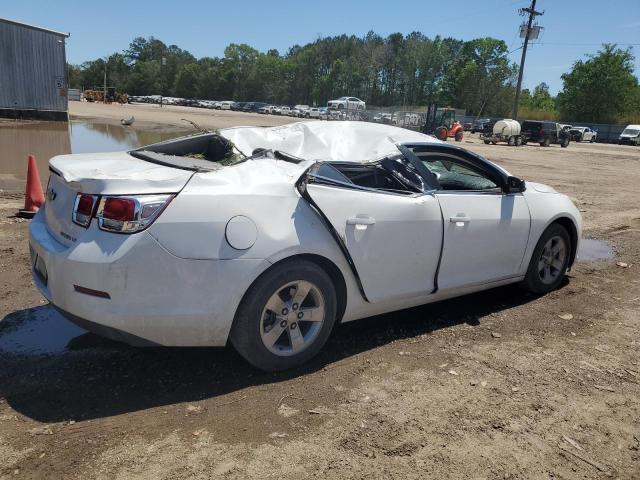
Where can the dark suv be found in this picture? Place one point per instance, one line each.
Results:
(544, 133)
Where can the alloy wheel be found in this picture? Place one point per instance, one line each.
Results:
(552, 260)
(292, 318)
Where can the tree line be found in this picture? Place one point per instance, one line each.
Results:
(397, 70)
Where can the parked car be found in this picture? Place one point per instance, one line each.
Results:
(269, 252)
(256, 106)
(583, 134)
(323, 113)
(301, 109)
(466, 126)
(346, 103)
(311, 112)
(238, 106)
(285, 110)
(226, 104)
(544, 133)
(630, 135)
(479, 124)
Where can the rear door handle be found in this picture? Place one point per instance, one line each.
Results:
(361, 221)
(460, 219)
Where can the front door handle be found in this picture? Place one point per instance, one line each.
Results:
(361, 221)
(461, 219)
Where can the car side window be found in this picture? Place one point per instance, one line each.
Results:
(454, 175)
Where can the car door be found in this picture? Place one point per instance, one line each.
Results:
(588, 135)
(392, 240)
(485, 229)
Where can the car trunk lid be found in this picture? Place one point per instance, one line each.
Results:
(101, 174)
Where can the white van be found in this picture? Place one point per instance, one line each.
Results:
(630, 135)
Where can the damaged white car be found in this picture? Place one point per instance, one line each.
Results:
(267, 237)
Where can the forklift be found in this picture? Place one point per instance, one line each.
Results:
(442, 123)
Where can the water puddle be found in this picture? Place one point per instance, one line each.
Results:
(592, 250)
(47, 139)
(42, 331)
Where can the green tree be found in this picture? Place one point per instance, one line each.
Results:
(144, 78)
(187, 80)
(480, 77)
(601, 88)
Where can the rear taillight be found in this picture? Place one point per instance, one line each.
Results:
(83, 209)
(130, 214)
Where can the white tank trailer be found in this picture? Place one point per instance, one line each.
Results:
(505, 130)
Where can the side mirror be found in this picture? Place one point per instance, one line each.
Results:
(514, 185)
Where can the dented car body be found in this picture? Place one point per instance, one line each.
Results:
(269, 236)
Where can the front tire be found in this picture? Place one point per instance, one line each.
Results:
(441, 133)
(549, 261)
(285, 317)
(458, 136)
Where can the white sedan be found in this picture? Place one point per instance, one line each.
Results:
(346, 103)
(268, 237)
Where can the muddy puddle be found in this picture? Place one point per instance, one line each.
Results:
(592, 250)
(42, 330)
(47, 139)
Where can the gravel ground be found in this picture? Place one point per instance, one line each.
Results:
(495, 385)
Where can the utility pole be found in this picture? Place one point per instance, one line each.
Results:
(104, 85)
(527, 34)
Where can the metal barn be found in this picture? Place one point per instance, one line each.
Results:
(33, 74)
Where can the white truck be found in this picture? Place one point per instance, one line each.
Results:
(630, 135)
(506, 130)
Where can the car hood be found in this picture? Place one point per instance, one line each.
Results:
(541, 187)
(326, 141)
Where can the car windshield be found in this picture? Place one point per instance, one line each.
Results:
(342, 98)
(631, 131)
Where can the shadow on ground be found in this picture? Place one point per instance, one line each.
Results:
(95, 378)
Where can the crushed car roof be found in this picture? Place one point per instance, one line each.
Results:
(346, 141)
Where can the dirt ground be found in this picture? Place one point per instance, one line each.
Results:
(172, 115)
(496, 385)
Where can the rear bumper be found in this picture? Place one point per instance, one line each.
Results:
(155, 297)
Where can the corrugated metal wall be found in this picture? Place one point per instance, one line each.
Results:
(32, 69)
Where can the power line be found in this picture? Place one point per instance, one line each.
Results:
(587, 44)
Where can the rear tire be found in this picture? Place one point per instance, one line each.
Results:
(593, 140)
(564, 142)
(512, 141)
(518, 141)
(270, 329)
(549, 261)
(546, 142)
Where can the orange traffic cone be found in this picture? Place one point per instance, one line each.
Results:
(33, 196)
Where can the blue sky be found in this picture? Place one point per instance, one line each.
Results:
(572, 28)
